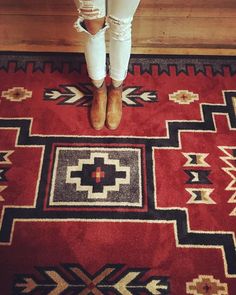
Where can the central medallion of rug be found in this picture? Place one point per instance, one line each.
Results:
(96, 177)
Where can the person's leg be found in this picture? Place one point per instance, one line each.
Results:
(92, 21)
(120, 16)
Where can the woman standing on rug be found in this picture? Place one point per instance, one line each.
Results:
(95, 16)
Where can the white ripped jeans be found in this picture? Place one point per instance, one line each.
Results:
(119, 21)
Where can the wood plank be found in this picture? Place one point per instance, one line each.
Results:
(189, 32)
(158, 8)
(55, 33)
(160, 26)
(136, 50)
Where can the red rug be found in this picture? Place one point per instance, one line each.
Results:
(147, 209)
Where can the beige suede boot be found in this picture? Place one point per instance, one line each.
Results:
(114, 107)
(98, 107)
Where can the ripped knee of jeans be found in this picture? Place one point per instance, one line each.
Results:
(120, 29)
(80, 26)
(88, 10)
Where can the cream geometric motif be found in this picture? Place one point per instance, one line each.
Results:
(2, 188)
(200, 196)
(230, 169)
(183, 97)
(5, 157)
(233, 213)
(89, 188)
(196, 160)
(17, 94)
(234, 104)
(206, 284)
(195, 176)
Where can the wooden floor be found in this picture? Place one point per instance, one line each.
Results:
(160, 26)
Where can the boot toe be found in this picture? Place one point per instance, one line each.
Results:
(97, 125)
(113, 121)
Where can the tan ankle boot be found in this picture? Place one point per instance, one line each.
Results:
(114, 107)
(98, 107)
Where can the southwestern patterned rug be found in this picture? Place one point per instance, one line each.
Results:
(147, 209)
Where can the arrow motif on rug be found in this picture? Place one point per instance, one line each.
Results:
(128, 282)
(130, 96)
(27, 286)
(124, 286)
(82, 95)
(71, 95)
(74, 95)
(61, 284)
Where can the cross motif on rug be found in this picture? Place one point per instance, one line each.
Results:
(97, 175)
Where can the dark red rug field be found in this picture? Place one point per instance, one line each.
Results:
(147, 209)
